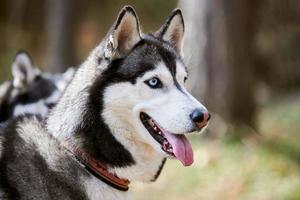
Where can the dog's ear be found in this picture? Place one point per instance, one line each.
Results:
(173, 30)
(5, 90)
(124, 34)
(68, 74)
(22, 70)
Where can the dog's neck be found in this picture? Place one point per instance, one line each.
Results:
(67, 113)
(147, 161)
(66, 118)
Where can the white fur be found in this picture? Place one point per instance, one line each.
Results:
(33, 108)
(96, 190)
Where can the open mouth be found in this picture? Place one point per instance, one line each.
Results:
(174, 145)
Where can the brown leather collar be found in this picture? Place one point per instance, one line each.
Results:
(98, 169)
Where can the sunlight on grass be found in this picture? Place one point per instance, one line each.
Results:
(225, 169)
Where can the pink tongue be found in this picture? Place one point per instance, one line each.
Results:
(182, 148)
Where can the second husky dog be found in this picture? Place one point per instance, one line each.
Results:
(123, 113)
(30, 91)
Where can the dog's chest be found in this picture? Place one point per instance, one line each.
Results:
(96, 189)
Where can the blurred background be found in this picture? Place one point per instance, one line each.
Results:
(243, 58)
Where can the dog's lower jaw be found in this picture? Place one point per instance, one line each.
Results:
(146, 168)
(147, 159)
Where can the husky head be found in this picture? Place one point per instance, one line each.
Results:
(145, 87)
(127, 105)
(30, 91)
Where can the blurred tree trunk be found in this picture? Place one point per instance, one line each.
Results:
(241, 20)
(220, 52)
(59, 21)
(215, 64)
(194, 12)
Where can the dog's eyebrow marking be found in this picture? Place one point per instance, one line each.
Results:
(170, 62)
(168, 55)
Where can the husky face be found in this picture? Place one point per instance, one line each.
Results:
(30, 91)
(147, 91)
(127, 105)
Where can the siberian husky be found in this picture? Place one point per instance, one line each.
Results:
(31, 91)
(124, 112)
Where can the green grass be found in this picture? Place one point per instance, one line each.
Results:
(228, 169)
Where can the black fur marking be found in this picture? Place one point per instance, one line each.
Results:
(99, 60)
(25, 173)
(161, 166)
(97, 138)
(5, 109)
(178, 86)
(169, 59)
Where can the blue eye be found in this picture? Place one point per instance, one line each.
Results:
(154, 83)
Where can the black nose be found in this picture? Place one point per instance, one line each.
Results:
(200, 117)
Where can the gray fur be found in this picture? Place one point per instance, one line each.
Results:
(34, 166)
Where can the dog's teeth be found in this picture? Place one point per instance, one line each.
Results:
(151, 122)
